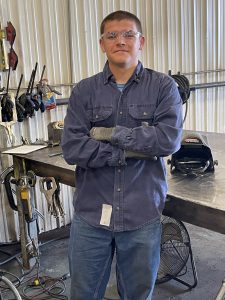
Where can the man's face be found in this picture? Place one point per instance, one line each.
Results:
(122, 50)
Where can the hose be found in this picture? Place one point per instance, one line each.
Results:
(8, 189)
(11, 287)
(183, 86)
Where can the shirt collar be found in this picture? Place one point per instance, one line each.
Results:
(107, 74)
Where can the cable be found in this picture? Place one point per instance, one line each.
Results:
(12, 275)
(183, 86)
(45, 285)
(9, 259)
(185, 113)
(11, 286)
(52, 288)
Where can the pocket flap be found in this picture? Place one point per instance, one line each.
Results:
(99, 113)
(142, 112)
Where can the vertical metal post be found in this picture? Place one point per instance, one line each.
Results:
(28, 239)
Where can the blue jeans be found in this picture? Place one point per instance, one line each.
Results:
(91, 252)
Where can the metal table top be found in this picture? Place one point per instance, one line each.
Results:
(209, 188)
(199, 201)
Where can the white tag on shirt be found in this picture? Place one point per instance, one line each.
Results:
(106, 214)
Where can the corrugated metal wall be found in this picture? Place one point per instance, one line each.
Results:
(181, 35)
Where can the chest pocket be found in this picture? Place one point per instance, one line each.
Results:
(141, 113)
(100, 116)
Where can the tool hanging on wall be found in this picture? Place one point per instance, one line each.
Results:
(26, 100)
(7, 104)
(10, 59)
(6, 176)
(8, 110)
(8, 179)
(25, 185)
(20, 110)
(47, 92)
(32, 95)
(50, 187)
(39, 95)
(57, 205)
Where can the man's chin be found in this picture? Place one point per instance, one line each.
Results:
(120, 63)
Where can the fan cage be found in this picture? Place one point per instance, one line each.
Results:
(175, 249)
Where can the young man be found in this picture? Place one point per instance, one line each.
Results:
(119, 125)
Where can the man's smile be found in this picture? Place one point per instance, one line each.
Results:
(120, 50)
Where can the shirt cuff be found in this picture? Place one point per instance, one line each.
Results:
(121, 136)
(118, 157)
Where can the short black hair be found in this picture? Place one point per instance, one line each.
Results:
(121, 15)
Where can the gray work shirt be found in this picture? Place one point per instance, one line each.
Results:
(147, 116)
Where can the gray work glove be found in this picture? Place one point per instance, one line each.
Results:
(138, 155)
(105, 134)
(101, 133)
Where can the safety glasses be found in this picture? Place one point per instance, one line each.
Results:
(128, 35)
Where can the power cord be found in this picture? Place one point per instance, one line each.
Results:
(184, 89)
(183, 86)
(37, 286)
(47, 287)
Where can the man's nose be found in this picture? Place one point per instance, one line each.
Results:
(120, 39)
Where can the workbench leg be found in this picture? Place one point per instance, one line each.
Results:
(28, 239)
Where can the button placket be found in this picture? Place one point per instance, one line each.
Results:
(118, 200)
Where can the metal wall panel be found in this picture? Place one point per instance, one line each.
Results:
(43, 36)
(181, 35)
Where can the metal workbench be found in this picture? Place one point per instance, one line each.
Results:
(196, 200)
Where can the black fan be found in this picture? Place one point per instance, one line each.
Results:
(175, 252)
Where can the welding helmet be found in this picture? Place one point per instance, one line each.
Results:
(194, 156)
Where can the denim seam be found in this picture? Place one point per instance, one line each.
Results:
(122, 281)
(101, 278)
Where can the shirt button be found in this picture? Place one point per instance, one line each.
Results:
(121, 112)
(119, 162)
(117, 208)
(119, 170)
(118, 190)
(96, 116)
(144, 113)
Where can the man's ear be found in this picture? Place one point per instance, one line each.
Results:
(101, 43)
(142, 42)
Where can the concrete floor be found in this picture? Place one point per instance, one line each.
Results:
(209, 252)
